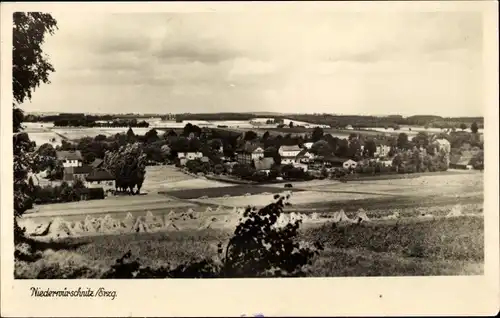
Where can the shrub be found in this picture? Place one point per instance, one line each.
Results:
(259, 247)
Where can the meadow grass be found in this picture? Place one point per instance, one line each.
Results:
(446, 246)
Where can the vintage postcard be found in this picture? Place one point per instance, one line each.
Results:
(249, 159)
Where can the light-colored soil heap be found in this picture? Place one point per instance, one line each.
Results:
(220, 217)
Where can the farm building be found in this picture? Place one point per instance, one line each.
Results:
(71, 174)
(304, 156)
(381, 149)
(308, 145)
(350, 164)
(302, 166)
(334, 161)
(97, 163)
(100, 179)
(289, 153)
(248, 153)
(263, 164)
(189, 155)
(70, 158)
(461, 161)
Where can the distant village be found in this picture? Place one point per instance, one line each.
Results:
(268, 157)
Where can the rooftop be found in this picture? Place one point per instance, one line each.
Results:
(100, 175)
(69, 155)
(290, 148)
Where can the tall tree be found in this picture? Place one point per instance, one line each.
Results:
(317, 134)
(403, 141)
(474, 128)
(30, 68)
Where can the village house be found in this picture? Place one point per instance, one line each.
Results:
(381, 150)
(289, 153)
(308, 145)
(461, 161)
(302, 166)
(263, 164)
(248, 153)
(336, 162)
(70, 158)
(349, 164)
(304, 156)
(100, 179)
(190, 155)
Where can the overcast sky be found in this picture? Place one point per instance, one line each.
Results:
(358, 63)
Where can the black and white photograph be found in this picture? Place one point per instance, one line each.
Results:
(247, 144)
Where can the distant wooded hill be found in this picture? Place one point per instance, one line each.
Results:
(340, 121)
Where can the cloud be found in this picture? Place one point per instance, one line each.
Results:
(296, 62)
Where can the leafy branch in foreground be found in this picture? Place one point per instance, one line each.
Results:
(259, 247)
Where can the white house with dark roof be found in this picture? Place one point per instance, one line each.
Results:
(100, 179)
(289, 153)
(70, 158)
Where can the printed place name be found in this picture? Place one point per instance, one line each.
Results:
(71, 293)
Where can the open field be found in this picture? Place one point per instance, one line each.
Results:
(381, 249)
(421, 240)
(168, 178)
(232, 191)
(299, 197)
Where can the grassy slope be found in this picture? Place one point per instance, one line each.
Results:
(434, 247)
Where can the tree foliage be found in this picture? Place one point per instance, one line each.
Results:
(127, 165)
(30, 66)
(259, 247)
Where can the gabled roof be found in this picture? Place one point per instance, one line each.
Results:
(308, 145)
(249, 148)
(334, 159)
(263, 163)
(100, 175)
(290, 148)
(462, 160)
(97, 163)
(83, 170)
(302, 153)
(69, 155)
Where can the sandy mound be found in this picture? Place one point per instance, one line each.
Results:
(361, 216)
(59, 228)
(314, 216)
(203, 197)
(218, 209)
(393, 216)
(208, 210)
(128, 221)
(340, 216)
(172, 226)
(455, 211)
(41, 229)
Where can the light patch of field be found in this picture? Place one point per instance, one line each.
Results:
(302, 197)
(163, 178)
(78, 133)
(158, 176)
(45, 137)
(137, 208)
(109, 202)
(194, 184)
